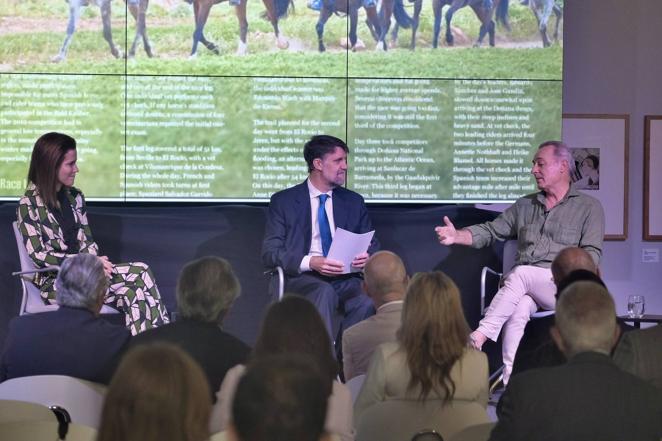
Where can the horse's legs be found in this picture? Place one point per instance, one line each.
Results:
(146, 43)
(133, 9)
(398, 10)
(559, 13)
(201, 10)
(196, 15)
(374, 23)
(542, 17)
(353, 15)
(449, 16)
(387, 12)
(138, 11)
(546, 13)
(371, 26)
(418, 4)
(74, 15)
(436, 9)
(481, 34)
(141, 27)
(394, 34)
(240, 10)
(281, 42)
(107, 34)
(319, 27)
(487, 24)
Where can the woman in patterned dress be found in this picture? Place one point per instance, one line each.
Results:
(52, 218)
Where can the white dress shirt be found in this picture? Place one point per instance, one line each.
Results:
(316, 240)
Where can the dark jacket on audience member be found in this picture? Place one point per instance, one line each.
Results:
(640, 353)
(69, 341)
(537, 349)
(588, 398)
(215, 350)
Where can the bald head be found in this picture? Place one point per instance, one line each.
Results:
(569, 260)
(385, 278)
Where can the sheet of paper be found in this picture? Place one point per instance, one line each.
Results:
(347, 245)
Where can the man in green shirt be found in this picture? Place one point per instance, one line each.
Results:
(544, 223)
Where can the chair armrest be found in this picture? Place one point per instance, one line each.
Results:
(281, 279)
(35, 271)
(483, 279)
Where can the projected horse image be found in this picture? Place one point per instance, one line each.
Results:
(351, 8)
(138, 9)
(542, 10)
(396, 9)
(483, 11)
(403, 20)
(275, 9)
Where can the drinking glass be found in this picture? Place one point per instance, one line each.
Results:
(636, 306)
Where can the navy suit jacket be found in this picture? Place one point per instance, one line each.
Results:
(69, 341)
(288, 231)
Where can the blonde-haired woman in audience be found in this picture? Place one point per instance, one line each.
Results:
(431, 362)
(293, 326)
(158, 393)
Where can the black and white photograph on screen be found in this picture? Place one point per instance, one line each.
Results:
(587, 168)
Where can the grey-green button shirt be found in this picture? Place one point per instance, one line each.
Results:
(577, 220)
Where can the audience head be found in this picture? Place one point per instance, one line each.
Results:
(157, 393)
(48, 156)
(585, 319)
(434, 332)
(280, 398)
(569, 260)
(293, 326)
(580, 275)
(385, 278)
(561, 153)
(206, 289)
(319, 146)
(81, 282)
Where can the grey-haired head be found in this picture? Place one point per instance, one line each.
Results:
(81, 282)
(206, 289)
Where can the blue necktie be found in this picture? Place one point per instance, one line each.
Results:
(323, 221)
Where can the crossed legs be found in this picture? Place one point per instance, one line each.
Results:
(524, 290)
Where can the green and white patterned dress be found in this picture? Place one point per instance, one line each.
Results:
(132, 286)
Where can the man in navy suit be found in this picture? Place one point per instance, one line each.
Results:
(73, 340)
(300, 227)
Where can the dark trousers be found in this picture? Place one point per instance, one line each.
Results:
(333, 296)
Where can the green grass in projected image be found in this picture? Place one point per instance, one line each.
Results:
(32, 35)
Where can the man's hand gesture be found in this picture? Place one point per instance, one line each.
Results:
(447, 234)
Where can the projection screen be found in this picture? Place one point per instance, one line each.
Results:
(430, 124)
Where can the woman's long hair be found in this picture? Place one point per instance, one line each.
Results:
(293, 326)
(157, 393)
(433, 334)
(47, 156)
